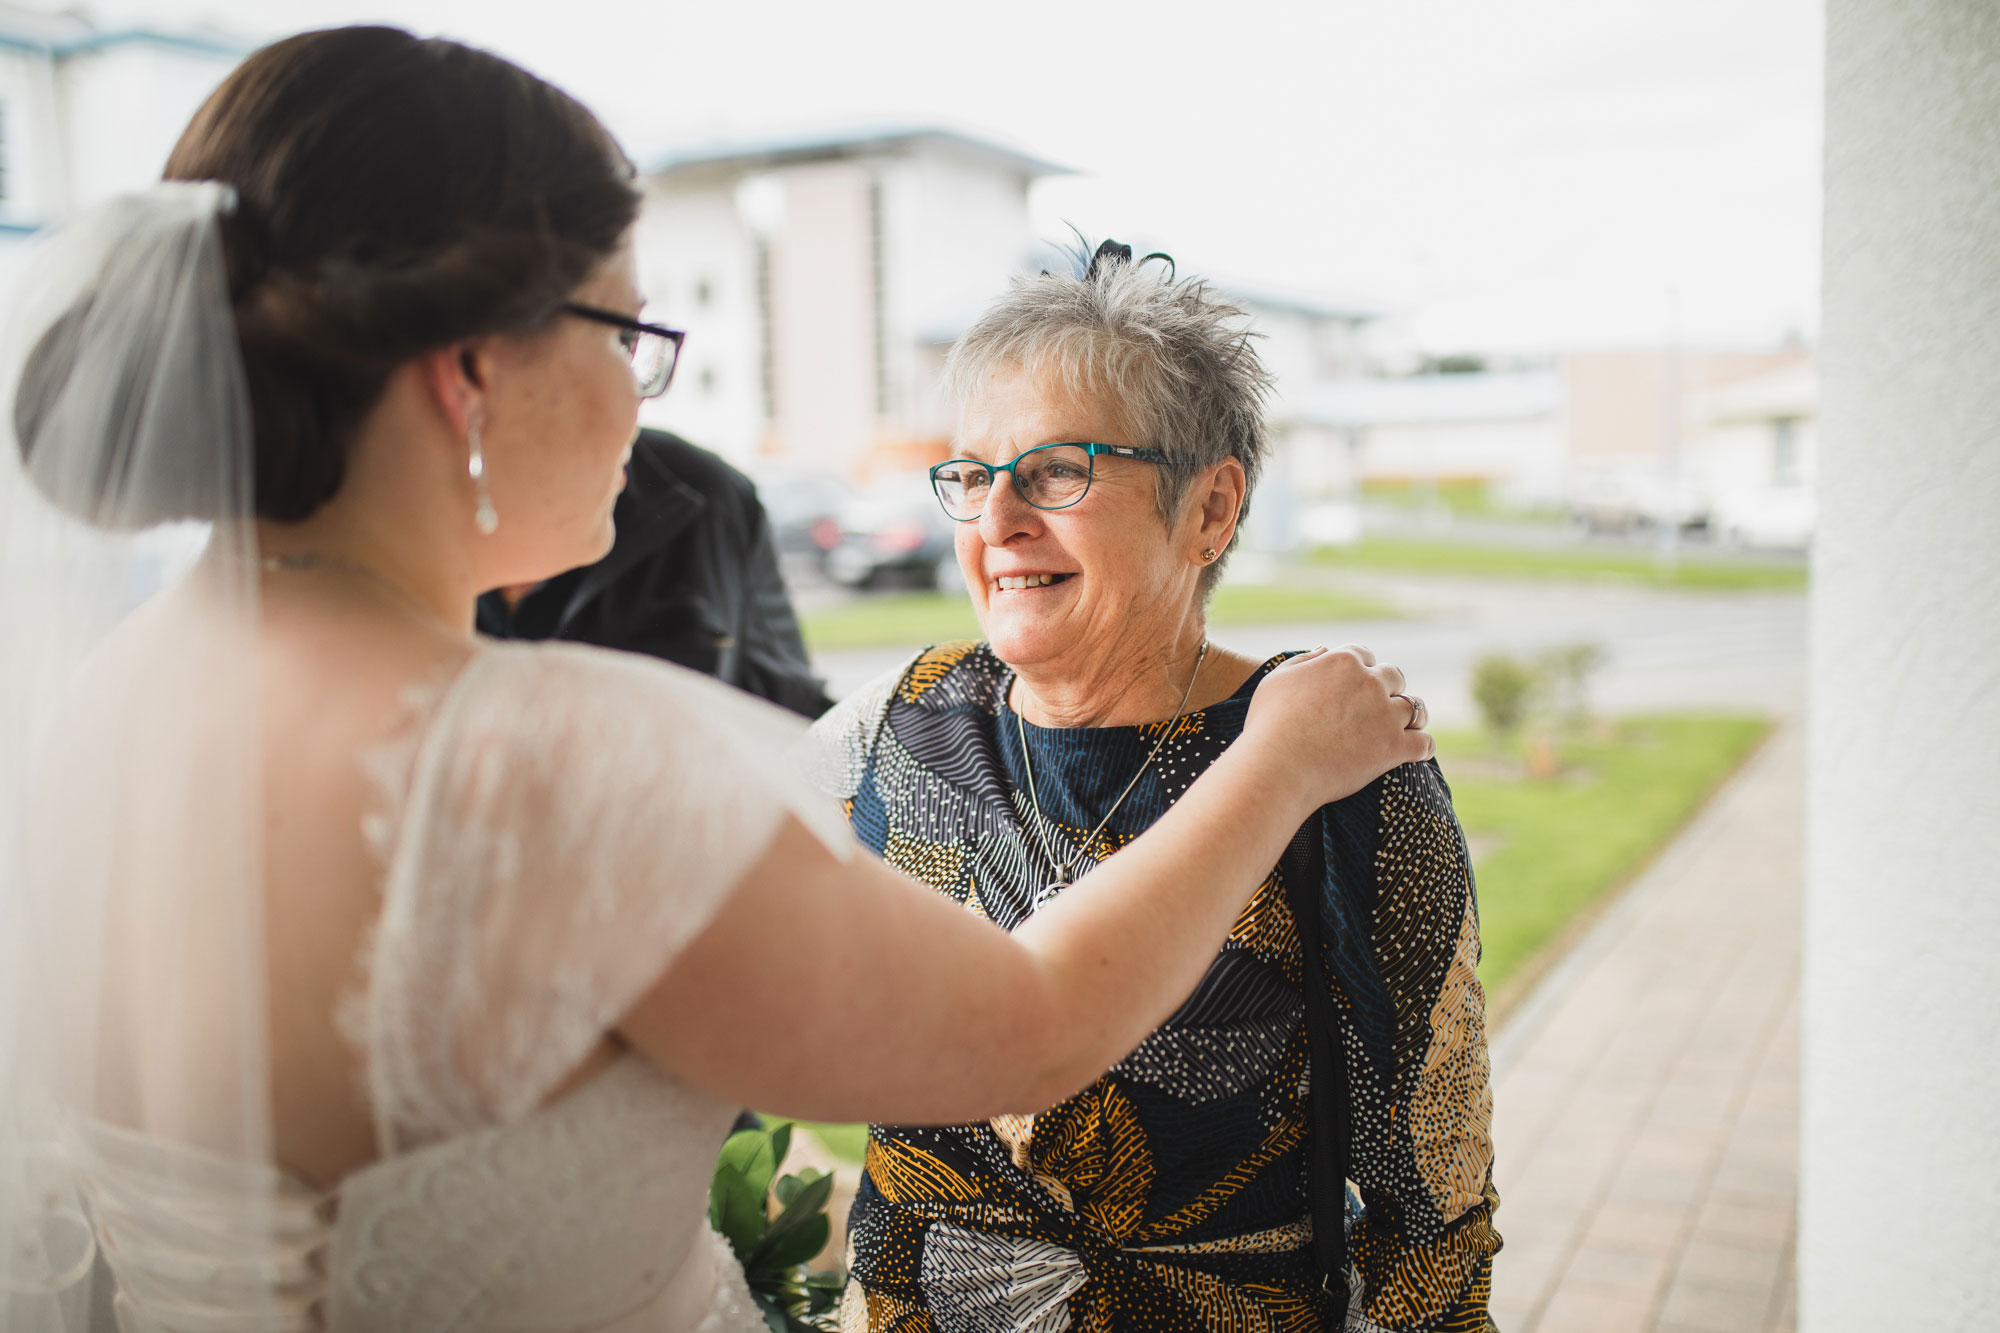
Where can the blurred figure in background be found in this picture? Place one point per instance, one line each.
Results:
(692, 578)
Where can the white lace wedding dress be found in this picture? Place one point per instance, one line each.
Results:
(560, 821)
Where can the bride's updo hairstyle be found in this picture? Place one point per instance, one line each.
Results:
(393, 195)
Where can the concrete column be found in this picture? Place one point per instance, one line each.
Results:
(1900, 1133)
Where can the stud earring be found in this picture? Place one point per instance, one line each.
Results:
(484, 517)
(1208, 555)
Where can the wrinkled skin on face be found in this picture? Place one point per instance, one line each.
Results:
(1111, 617)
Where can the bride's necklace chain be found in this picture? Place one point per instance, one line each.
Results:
(307, 561)
(1043, 823)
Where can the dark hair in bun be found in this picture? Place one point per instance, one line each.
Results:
(394, 195)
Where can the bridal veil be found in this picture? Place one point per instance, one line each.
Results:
(132, 967)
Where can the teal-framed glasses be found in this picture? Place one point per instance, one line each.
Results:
(1048, 476)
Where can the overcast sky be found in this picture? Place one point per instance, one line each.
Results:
(1497, 174)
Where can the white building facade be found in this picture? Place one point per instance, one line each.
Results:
(821, 279)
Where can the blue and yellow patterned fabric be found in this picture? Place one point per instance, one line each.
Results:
(1170, 1196)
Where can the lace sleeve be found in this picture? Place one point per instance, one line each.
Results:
(844, 737)
(573, 818)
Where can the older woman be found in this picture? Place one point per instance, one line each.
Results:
(1110, 433)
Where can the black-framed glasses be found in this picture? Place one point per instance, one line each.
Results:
(655, 349)
(1048, 476)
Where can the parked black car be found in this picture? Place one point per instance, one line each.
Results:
(893, 533)
(804, 511)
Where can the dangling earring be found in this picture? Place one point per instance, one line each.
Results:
(483, 515)
(1208, 555)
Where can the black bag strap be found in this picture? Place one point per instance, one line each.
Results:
(1328, 1120)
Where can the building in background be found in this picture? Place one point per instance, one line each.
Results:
(1692, 437)
(1756, 456)
(817, 275)
(1697, 438)
(1501, 429)
(87, 112)
(823, 277)
(1309, 346)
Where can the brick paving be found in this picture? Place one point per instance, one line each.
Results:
(1646, 1095)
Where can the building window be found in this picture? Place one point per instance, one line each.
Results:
(1785, 450)
(766, 387)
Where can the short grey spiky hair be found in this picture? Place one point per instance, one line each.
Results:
(1173, 359)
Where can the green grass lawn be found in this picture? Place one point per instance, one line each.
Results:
(889, 620)
(1399, 555)
(1554, 847)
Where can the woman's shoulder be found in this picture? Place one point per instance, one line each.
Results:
(575, 681)
(961, 673)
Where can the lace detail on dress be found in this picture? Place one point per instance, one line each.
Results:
(585, 1214)
(733, 1306)
(844, 736)
(386, 768)
(573, 818)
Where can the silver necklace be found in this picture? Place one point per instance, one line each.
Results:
(307, 561)
(1063, 869)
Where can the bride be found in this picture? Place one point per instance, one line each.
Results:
(361, 974)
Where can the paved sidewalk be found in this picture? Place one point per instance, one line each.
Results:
(1646, 1119)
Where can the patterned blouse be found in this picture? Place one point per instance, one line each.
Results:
(1171, 1194)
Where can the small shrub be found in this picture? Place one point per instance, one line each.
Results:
(1503, 687)
(1567, 670)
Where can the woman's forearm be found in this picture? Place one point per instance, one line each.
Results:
(844, 991)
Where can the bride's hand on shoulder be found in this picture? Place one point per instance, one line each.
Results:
(1336, 720)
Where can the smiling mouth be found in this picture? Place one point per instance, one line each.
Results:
(1025, 582)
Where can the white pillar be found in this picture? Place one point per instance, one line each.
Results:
(1900, 1132)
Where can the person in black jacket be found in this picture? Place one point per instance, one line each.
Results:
(692, 577)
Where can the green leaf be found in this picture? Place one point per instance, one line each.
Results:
(737, 1211)
(757, 1154)
(781, 1143)
(800, 1231)
(793, 1247)
(809, 1201)
(787, 1188)
(741, 1146)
